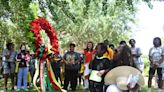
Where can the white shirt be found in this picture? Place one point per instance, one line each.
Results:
(156, 54)
(138, 61)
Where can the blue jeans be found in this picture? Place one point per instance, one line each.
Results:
(22, 75)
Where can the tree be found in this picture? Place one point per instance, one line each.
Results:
(74, 20)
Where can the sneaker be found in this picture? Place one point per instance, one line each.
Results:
(26, 89)
(31, 85)
(149, 90)
(15, 87)
(28, 86)
(63, 90)
(159, 90)
(5, 89)
(17, 90)
(85, 88)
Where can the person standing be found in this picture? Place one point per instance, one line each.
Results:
(88, 57)
(8, 64)
(112, 47)
(156, 57)
(56, 66)
(99, 66)
(23, 58)
(109, 53)
(123, 57)
(72, 66)
(136, 54)
(122, 43)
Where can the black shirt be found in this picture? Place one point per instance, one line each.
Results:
(22, 56)
(101, 63)
(57, 64)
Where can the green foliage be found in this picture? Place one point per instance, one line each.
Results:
(74, 20)
(146, 65)
(8, 32)
(17, 18)
(34, 7)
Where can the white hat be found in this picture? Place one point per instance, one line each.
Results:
(120, 75)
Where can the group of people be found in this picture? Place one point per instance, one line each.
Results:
(15, 70)
(96, 66)
(105, 58)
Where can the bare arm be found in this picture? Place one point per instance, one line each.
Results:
(161, 60)
(150, 59)
(138, 54)
(3, 55)
(150, 56)
(162, 57)
(64, 61)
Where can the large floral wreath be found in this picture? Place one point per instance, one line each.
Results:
(41, 50)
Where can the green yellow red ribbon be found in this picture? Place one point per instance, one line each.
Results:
(53, 80)
(36, 75)
(37, 25)
(42, 76)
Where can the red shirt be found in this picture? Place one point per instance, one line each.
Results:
(88, 55)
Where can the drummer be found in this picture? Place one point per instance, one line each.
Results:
(99, 66)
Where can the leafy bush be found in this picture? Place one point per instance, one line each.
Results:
(146, 65)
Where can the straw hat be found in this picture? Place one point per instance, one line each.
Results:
(120, 75)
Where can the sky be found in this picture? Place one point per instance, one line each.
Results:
(150, 24)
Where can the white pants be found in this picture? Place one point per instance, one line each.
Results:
(86, 73)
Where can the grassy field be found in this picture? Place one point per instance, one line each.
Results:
(79, 89)
(32, 89)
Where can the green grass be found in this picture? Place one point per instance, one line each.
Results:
(32, 89)
(79, 89)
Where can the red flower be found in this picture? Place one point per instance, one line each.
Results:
(44, 56)
(46, 49)
(36, 26)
